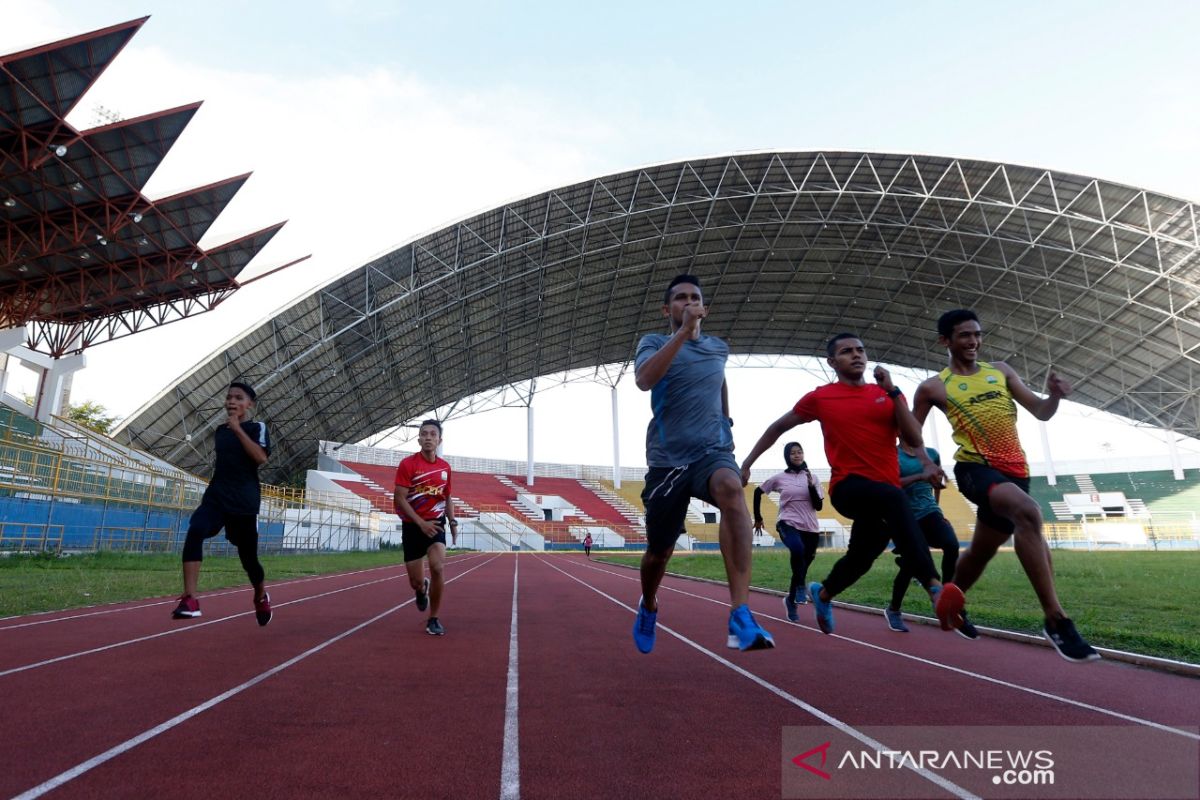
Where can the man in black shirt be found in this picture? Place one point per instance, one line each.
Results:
(230, 502)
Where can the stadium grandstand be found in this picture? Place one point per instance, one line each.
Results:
(794, 246)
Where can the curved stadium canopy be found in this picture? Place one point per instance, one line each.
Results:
(1097, 278)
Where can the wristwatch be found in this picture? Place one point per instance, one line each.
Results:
(895, 392)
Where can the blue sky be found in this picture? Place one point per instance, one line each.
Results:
(369, 123)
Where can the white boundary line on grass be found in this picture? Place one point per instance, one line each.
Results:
(849, 730)
(127, 745)
(959, 670)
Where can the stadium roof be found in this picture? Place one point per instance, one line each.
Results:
(85, 257)
(1097, 278)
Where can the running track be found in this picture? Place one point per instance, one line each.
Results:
(536, 691)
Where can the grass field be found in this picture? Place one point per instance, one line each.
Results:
(30, 583)
(1143, 602)
(1139, 601)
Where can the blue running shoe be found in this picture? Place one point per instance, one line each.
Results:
(789, 605)
(643, 628)
(801, 595)
(750, 634)
(895, 621)
(823, 610)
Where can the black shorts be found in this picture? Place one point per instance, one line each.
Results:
(976, 482)
(414, 541)
(667, 494)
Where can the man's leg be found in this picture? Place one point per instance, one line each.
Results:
(735, 536)
(1010, 502)
(416, 574)
(974, 560)
(654, 566)
(437, 560)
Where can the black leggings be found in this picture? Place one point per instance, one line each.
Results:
(803, 548)
(940, 535)
(240, 529)
(880, 512)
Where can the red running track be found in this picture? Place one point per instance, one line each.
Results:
(345, 695)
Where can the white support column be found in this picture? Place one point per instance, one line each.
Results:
(1051, 476)
(529, 443)
(616, 428)
(930, 435)
(9, 338)
(1176, 463)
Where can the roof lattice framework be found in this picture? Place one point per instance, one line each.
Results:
(85, 257)
(1097, 278)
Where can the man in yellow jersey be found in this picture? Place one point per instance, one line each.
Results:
(990, 468)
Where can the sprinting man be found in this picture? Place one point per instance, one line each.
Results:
(800, 498)
(860, 422)
(923, 497)
(990, 468)
(587, 545)
(231, 502)
(423, 504)
(689, 451)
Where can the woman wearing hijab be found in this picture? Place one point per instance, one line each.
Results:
(800, 498)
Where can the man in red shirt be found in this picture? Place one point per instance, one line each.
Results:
(860, 423)
(423, 503)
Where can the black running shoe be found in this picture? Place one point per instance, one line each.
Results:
(434, 628)
(1067, 641)
(967, 630)
(423, 596)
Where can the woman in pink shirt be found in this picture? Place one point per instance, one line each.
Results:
(800, 498)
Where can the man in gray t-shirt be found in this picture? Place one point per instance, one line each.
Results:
(689, 452)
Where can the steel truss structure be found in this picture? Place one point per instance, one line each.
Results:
(1097, 278)
(85, 257)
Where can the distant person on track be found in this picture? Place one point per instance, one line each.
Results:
(422, 500)
(587, 545)
(800, 498)
(231, 502)
(860, 422)
(992, 472)
(689, 452)
(923, 496)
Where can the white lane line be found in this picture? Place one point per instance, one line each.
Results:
(510, 766)
(845, 728)
(958, 670)
(169, 601)
(129, 744)
(192, 627)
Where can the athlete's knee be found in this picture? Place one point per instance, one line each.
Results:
(727, 492)
(436, 569)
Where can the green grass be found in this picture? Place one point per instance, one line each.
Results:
(46, 582)
(1143, 602)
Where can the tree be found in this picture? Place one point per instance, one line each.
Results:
(91, 414)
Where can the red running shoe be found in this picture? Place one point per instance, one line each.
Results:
(949, 607)
(262, 609)
(188, 607)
